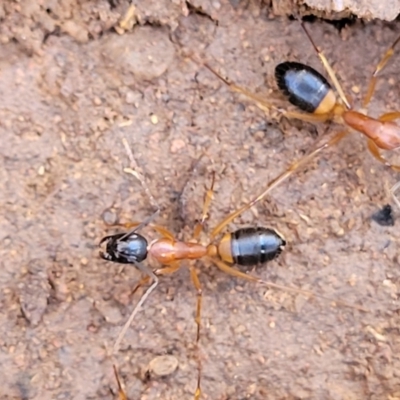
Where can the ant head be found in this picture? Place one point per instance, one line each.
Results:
(124, 248)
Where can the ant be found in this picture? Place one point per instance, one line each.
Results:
(308, 90)
(121, 393)
(244, 247)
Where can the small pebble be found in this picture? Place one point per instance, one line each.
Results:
(84, 261)
(154, 119)
(216, 5)
(97, 101)
(109, 217)
(177, 145)
(163, 365)
(272, 324)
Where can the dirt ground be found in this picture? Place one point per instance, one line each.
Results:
(66, 103)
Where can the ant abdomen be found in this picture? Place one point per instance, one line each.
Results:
(305, 87)
(251, 246)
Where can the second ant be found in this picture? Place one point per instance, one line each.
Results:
(308, 90)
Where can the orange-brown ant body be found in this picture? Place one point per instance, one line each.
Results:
(308, 90)
(244, 247)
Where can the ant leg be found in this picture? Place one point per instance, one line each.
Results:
(160, 271)
(328, 68)
(170, 269)
(197, 285)
(138, 226)
(263, 104)
(160, 229)
(141, 283)
(128, 225)
(266, 106)
(128, 323)
(390, 116)
(307, 117)
(234, 272)
(238, 274)
(121, 392)
(382, 63)
(374, 150)
(393, 191)
(163, 231)
(206, 206)
(277, 181)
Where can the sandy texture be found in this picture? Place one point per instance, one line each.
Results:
(71, 90)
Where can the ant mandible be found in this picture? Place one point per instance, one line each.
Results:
(245, 247)
(308, 90)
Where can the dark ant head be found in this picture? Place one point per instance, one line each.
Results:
(124, 248)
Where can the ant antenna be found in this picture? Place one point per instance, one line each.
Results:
(382, 63)
(121, 393)
(328, 68)
(133, 170)
(140, 226)
(128, 323)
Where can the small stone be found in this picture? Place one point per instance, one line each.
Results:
(78, 32)
(135, 53)
(272, 324)
(163, 365)
(34, 292)
(177, 144)
(109, 217)
(97, 101)
(84, 261)
(134, 98)
(111, 314)
(154, 119)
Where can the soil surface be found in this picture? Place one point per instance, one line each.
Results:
(68, 100)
